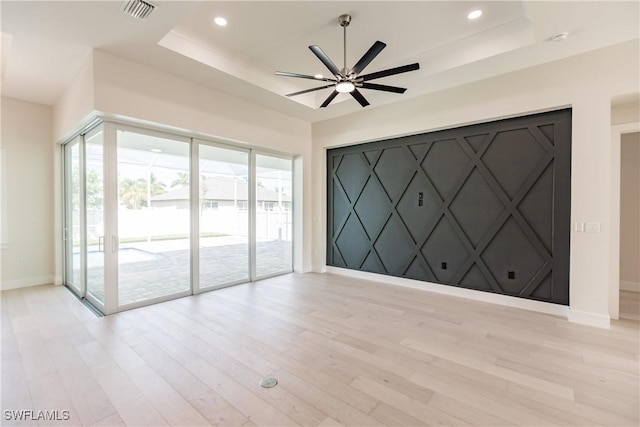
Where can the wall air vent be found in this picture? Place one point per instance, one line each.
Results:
(138, 8)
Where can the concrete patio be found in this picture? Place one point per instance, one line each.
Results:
(154, 269)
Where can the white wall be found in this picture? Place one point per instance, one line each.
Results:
(630, 211)
(627, 111)
(76, 103)
(130, 89)
(586, 82)
(26, 141)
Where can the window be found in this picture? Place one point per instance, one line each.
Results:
(268, 206)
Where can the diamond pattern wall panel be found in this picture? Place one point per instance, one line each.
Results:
(445, 175)
(352, 243)
(340, 210)
(537, 207)
(483, 207)
(444, 251)
(351, 173)
(476, 207)
(394, 246)
(393, 178)
(372, 219)
(511, 157)
(415, 217)
(511, 252)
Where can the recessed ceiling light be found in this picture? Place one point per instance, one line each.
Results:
(318, 76)
(474, 14)
(156, 150)
(345, 87)
(219, 20)
(559, 37)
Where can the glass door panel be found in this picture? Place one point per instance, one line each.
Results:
(153, 217)
(94, 202)
(274, 240)
(224, 216)
(73, 221)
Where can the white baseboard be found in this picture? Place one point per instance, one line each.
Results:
(305, 268)
(590, 319)
(319, 268)
(26, 282)
(505, 300)
(629, 286)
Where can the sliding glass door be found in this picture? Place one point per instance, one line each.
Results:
(151, 216)
(74, 229)
(224, 216)
(84, 216)
(94, 213)
(154, 234)
(274, 219)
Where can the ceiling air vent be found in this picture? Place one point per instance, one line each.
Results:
(139, 9)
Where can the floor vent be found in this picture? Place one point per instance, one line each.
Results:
(268, 382)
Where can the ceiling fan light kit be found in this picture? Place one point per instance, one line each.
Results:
(345, 87)
(349, 80)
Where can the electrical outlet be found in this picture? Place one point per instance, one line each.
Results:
(511, 275)
(444, 265)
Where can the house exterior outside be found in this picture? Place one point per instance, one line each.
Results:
(218, 192)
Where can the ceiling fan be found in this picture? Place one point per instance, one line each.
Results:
(349, 80)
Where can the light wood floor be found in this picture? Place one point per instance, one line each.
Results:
(630, 305)
(345, 352)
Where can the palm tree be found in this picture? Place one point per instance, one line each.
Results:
(94, 190)
(204, 189)
(182, 180)
(157, 188)
(132, 193)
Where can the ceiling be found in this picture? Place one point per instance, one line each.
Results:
(45, 43)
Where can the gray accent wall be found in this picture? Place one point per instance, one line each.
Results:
(484, 207)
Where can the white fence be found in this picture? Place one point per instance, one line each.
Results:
(270, 225)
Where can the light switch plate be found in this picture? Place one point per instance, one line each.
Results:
(592, 227)
(579, 227)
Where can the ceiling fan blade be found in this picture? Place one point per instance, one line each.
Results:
(329, 99)
(385, 88)
(358, 97)
(303, 76)
(368, 57)
(325, 60)
(309, 90)
(390, 72)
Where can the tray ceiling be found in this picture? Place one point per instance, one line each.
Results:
(264, 37)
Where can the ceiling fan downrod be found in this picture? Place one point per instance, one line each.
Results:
(344, 21)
